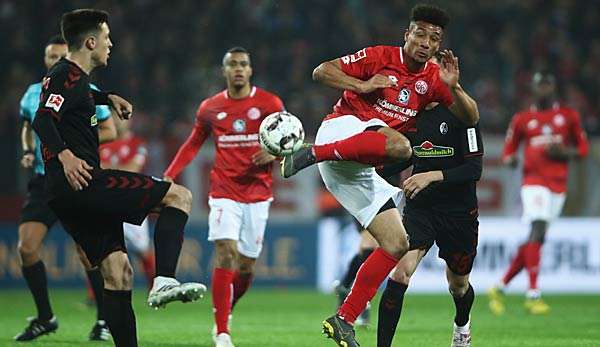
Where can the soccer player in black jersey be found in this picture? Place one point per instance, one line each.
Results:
(441, 207)
(93, 203)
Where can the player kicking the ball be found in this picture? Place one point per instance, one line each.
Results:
(240, 182)
(553, 135)
(384, 89)
(92, 203)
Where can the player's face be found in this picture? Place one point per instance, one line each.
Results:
(236, 69)
(544, 88)
(53, 53)
(422, 40)
(102, 46)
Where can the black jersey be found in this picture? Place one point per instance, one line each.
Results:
(442, 142)
(67, 101)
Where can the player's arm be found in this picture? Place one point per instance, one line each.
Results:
(55, 99)
(353, 72)
(514, 135)
(27, 138)
(580, 148)
(107, 131)
(122, 107)
(190, 147)
(463, 106)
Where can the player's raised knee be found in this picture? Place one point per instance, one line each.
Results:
(179, 197)
(397, 146)
(28, 251)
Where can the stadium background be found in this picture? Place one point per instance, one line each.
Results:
(167, 58)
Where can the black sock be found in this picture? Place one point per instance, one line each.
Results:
(355, 264)
(35, 276)
(168, 238)
(390, 308)
(97, 283)
(120, 317)
(463, 307)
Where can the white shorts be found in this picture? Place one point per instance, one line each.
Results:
(540, 203)
(242, 222)
(356, 186)
(137, 237)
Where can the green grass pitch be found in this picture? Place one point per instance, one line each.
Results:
(280, 317)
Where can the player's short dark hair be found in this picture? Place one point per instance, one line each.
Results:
(236, 49)
(56, 40)
(430, 14)
(75, 25)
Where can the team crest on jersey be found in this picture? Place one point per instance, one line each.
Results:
(421, 87)
(221, 115)
(253, 113)
(404, 96)
(429, 150)
(239, 125)
(444, 128)
(559, 120)
(93, 120)
(55, 102)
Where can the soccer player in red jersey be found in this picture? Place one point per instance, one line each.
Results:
(552, 135)
(128, 153)
(240, 181)
(384, 89)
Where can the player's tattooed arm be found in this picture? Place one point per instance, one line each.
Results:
(464, 107)
(330, 74)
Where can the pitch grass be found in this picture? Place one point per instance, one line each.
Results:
(280, 317)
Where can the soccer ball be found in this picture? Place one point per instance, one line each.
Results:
(281, 133)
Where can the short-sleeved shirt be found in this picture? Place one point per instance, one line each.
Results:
(538, 129)
(29, 105)
(397, 106)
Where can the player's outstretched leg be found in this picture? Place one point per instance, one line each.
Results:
(370, 147)
(118, 282)
(168, 239)
(31, 235)
(463, 296)
(389, 232)
(534, 303)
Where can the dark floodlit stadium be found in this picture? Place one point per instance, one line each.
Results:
(300, 173)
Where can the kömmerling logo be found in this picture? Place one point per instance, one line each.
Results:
(428, 149)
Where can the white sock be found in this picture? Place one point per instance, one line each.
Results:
(533, 294)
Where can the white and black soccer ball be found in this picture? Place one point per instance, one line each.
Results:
(281, 133)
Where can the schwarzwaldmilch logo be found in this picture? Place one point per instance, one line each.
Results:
(428, 150)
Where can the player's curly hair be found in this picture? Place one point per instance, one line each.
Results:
(430, 14)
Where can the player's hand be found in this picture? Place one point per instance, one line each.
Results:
(417, 182)
(262, 157)
(168, 179)
(511, 161)
(77, 171)
(449, 71)
(377, 82)
(27, 160)
(121, 106)
(557, 151)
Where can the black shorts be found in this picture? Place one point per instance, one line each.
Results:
(94, 216)
(35, 208)
(456, 237)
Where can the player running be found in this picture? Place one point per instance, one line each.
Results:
(441, 207)
(552, 135)
(37, 217)
(384, 89)
(92, 203)
(240, 181)
(128, 152)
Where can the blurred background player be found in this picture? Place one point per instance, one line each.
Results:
(384, 89)
(240, 181)
(37, 217)
(553, 135)
(441, 207)
(129, 153)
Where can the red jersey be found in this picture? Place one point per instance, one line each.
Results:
(233, 124)
(398, 105)
(123, 152)
(538, 129)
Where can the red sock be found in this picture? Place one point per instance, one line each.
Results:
(241, 283)
(222, 280)
(149, 268)
(367, 148)
(532, 262)
(516, 265)
(369, 277)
